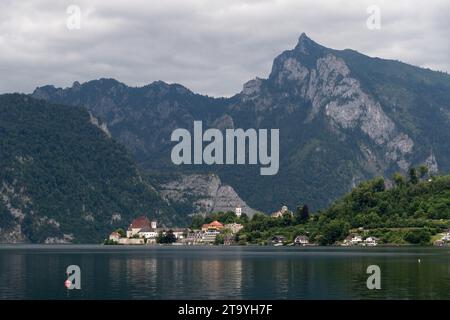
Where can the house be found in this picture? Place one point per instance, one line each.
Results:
(371, 241)
(210, 235)
(114, 236)
(352, 239)
(301, 240)
(278, 240)
(193, 237)
(179, 233)
(238, 211)
(278, 214)
(215, 225)
(234, 227)
(446, 236)
(136, 226)
(356, 239)
(148, 233)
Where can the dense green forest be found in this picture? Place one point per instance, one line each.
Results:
(62, 178)
(411, 210)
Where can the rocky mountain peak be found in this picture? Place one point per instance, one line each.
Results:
(294, 64)
(305, 44)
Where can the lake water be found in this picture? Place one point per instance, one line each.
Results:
(117, 272)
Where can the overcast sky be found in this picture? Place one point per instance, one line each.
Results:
(210, 46)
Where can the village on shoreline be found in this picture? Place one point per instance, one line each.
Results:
(143, 231)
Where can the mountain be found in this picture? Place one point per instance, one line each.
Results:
(343, 117)
(63, 179)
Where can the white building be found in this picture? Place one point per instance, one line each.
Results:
(301, 240)
(148, 233)
(371, 241)
(179, 233)
(446, 237)
(194, 237)
(352, 239)
(115, 236)
(356, 239)
(238, 211)
(137, 225)
(209, 236)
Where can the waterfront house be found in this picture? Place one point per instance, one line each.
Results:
(278, 240)
(352, 239)
(179, 233)
(356, 239)
(301, 240)
(209, 236)
(114, 236)
(148, 233)
(193, 237)
(136, 226)
(446, 236)
(215, 225)
(371, 241)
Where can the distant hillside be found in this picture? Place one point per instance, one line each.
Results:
(416, 208)
(62, 179)
(410, 204)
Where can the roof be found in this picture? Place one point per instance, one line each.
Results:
(140, 223)
(302, 237)
(214, 224)
(115, 233)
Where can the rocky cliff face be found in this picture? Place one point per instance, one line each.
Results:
(315, 75)
(206, 192)
(343, 118)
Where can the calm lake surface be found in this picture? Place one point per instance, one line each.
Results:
(118, 272)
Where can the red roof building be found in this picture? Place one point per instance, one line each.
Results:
(213, 225)
(140, 223)
(136, 225)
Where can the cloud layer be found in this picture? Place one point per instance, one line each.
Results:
(210, 46)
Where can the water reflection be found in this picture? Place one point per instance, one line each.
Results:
(227, 273)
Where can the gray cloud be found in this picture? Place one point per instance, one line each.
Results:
(210, 46)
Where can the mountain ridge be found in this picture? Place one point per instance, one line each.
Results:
(344, 117)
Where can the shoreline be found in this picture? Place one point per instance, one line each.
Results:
(137, 246)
